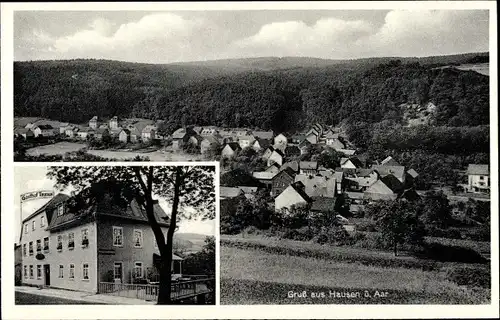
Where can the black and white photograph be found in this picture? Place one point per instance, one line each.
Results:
(115, 235)
(289, 156)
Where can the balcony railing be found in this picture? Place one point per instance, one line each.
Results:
(180, 289)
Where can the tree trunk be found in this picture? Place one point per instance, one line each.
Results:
(164, 294)
(167, 248)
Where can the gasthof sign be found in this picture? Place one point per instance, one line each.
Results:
(36, 195)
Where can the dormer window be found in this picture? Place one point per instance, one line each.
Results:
(60, 210)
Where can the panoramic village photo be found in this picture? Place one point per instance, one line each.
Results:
(115, 235)
(353, 147)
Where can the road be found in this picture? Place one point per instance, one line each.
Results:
(28, 298)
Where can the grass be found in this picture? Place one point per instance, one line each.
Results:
(263, 270)
(23, 298)
(58, 148)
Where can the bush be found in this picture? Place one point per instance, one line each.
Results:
(251, 230)
(447, 253)
(450, 233)
(474, 277)
(367, 225)
(335, 235)
(302, 234)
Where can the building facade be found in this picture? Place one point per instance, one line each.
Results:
(76, 251)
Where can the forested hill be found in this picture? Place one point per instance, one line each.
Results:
(265, 92)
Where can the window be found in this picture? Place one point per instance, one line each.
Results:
(85, 271)
(42, 221)
(31, 248)
(59, 243)
(71, 271)
(38, 245)
(117, 236)
(24, 250)
(46, 244)
(137, 238)
(481, 177)
(61, 271)
(25, 272)
(85, 237)
(138, 269)
(60, 210)
(31, 272)
(33, 225)
(117, 271)
(39, 272)
(71, 240)
(25, 228)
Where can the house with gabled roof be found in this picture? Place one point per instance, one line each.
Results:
(246, 141)
(85, 133)
(181, 136)
(282, 180)
(358, 179)
(308, 167)
(280, 142)
(94, 122)
(293, 196)
(264, 177)
(261, 144)
(304, 145)
(397, 171)
(323, 204)
(264, 135)
(318, 186)
(274, 168)
(100, 242)
(230, 150)
(389, 161)
(312, 136)
(276, 156)
(350, 163)
(478, 178)
(100, 133)
(386, 188)
(208, 131)
(267, 153)
(43, 130)
(24, 133)
(149, 133)
(209, 143)
(229, 192)
(294, 165)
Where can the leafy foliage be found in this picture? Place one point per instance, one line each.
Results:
(280, 99)
(190, 189)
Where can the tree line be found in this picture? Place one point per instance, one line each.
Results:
(280, 99)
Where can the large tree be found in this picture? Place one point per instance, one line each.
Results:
(189, 189)
(398, 221)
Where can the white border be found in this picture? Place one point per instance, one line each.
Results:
(10, 311)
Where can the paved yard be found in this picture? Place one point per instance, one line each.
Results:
(28, 298)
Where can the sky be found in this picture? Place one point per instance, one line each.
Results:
(31, 178)
(179, 36)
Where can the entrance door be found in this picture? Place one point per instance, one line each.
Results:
(46, 269)
(118, 272)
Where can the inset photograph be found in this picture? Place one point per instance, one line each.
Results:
(115, 235)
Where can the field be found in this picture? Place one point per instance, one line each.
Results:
(258, 270)
(61, 148)
(482, 68)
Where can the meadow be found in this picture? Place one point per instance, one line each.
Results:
(253, 272)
